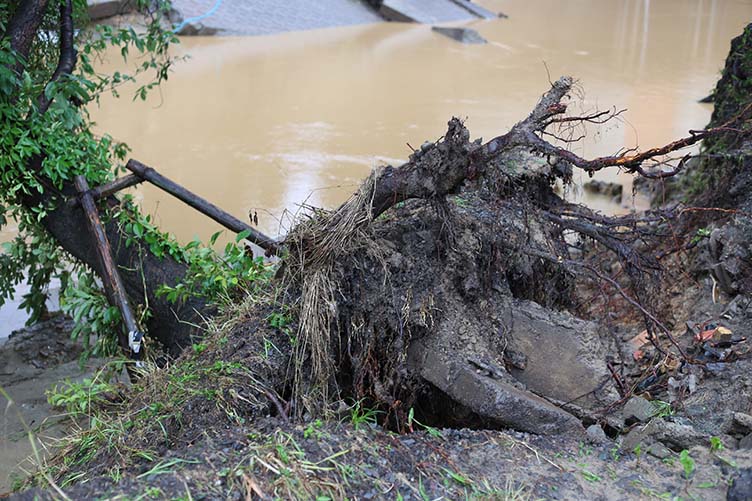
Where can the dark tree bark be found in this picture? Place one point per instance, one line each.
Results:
(67, 60)
(24, 24)
(142, 272)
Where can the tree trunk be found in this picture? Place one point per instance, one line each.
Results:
(142, 272)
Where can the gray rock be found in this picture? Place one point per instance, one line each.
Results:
(729, 256)
(463, 35)
(741, 487)
(679, 387)
(604, 188)
(741, 423)
(637, 436)
(746, 442)
(659, 450)
(638, 409)
(100, 9)
(596, 435)
(676, 436)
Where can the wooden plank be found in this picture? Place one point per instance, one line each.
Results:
(110, 276)
(204, 206)
(111, 188)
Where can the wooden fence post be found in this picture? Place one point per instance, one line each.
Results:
(113, 284)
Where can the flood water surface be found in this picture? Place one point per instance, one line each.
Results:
(268, 123)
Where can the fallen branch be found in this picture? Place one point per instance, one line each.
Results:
(420, 179)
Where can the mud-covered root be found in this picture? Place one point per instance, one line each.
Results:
(317, 244)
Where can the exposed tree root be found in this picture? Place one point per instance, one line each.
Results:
(377, 292)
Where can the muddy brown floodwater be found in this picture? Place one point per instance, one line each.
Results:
(268, 123)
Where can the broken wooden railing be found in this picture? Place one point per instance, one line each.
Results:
(207, 208)
(113, 284)
(111, 279)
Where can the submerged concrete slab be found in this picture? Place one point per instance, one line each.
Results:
(462, 35)
(425, 11)
(492, 398)
(261, 17)
(476, 9)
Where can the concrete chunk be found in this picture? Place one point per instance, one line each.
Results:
(424, 11)
(100, 9)
(638, 409)
(596, 435)
(493, 399)
(463, 35)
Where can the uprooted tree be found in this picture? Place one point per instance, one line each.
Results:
(448, 285)
(467, 290)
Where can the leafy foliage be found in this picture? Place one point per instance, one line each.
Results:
(214, 276)
(41, 152)
(87, 305)
(78, 397)
(688, 464)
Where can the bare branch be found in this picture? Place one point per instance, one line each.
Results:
(634, 302)
(440, 168)
(526, 134)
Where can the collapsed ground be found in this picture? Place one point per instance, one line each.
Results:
(449, 301)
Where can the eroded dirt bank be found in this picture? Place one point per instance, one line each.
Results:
(455, 297)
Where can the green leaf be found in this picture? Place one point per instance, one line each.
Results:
(242, 235)
(688, 464)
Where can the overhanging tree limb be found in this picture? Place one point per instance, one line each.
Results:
(67, 58)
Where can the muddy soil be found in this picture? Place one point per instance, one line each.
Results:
(204, 427)
(194, 431)
(32, 361)
(271, 460)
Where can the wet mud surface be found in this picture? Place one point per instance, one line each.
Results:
(33, 360)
